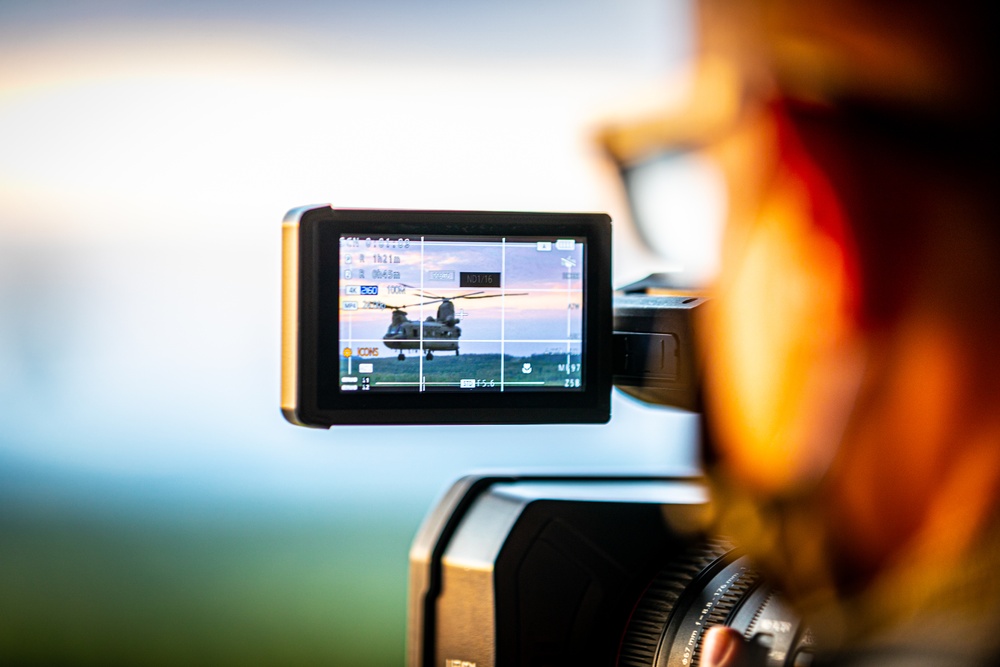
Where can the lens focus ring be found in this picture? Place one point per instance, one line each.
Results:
(706, 585)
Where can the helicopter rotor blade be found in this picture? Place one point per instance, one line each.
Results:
(425, 294)
(411, 305)
(490, 296)
(450, 298)
(434, 298)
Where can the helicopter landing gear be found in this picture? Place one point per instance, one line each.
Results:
(401, 357)
(430, 355)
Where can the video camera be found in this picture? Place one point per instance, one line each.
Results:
(448, 317)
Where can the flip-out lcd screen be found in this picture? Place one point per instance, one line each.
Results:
(445, 317)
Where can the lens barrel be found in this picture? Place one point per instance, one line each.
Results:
(706, 585)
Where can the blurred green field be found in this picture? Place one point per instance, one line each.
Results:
(80, 588)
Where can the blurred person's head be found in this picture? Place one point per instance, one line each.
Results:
(853, 373)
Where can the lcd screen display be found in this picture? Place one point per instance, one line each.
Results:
(470, 314)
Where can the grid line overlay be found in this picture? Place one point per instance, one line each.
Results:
(423, 340)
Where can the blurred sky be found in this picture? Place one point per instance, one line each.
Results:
(148, 152)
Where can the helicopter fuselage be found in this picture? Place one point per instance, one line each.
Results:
(405, 334)
(435, 338)
(439, 333)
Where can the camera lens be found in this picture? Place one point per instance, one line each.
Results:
(705, 585)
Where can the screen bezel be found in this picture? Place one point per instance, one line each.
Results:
(320, 401)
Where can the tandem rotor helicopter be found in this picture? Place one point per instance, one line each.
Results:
(440, 333)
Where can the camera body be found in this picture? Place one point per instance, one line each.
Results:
(584, 570)
(538, 570)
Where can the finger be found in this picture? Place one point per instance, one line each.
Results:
(721, 647)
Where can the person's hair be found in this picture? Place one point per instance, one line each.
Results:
(915, 168)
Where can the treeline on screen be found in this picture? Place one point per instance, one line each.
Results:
(549, 368)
